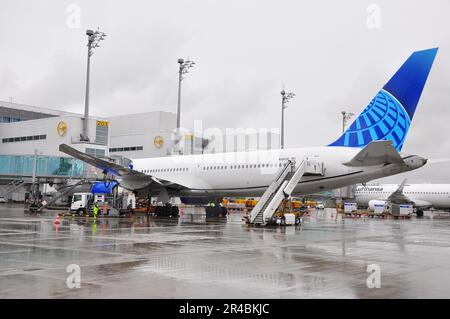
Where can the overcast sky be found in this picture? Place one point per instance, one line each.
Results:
(335, 55)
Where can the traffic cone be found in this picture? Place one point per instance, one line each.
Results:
(57, 220)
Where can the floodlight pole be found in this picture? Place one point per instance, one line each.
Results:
(180, 77)
(345, 117)
(183, 69)
(93, 39)
(282, 118)
(85, 136)
(285, 98)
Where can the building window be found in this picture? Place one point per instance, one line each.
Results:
(24, 138)
(95, 152)
(126, 149)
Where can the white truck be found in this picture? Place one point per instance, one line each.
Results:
(80, 202)
(83, 202)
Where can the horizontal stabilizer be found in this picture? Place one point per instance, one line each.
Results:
(376, 153)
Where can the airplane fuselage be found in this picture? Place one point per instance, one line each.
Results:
(250, 173)
(435, 195)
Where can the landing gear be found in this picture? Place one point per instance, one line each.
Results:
(167, 210)
(215, 211)
(419, 213)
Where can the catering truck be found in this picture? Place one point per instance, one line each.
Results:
(100, 193)
(81, 202)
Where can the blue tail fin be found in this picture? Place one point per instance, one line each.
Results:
(389, 115)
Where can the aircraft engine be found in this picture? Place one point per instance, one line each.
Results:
(376, 204)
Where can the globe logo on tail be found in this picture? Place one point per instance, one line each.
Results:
(383, 119)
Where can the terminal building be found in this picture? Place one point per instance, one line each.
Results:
(30, 137)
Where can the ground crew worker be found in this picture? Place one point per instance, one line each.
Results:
(95, 210)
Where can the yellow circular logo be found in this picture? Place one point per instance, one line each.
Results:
(61, 128)
(158, 141)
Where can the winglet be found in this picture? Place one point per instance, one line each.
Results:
(402, 185)
(398, 197)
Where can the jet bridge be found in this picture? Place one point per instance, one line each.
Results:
(281, 188)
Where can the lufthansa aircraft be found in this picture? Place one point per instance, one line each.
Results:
(422, 196)
(368, 149)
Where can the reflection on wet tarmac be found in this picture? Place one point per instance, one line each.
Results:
(194, 256)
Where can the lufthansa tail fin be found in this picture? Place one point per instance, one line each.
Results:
(389, 114)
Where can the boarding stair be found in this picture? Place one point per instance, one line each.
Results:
(61, 194)
(281, 188)
(12, 186)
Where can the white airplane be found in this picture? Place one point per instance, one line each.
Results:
(368, 150)
(422, 196)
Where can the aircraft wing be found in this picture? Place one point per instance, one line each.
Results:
(376, 153)
(129, 178)
(112, 168)
(398, 197)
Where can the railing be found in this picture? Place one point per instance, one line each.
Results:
(279, 178)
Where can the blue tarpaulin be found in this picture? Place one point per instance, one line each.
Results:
(103, 187)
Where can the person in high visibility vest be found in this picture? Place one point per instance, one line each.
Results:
(95, 210)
